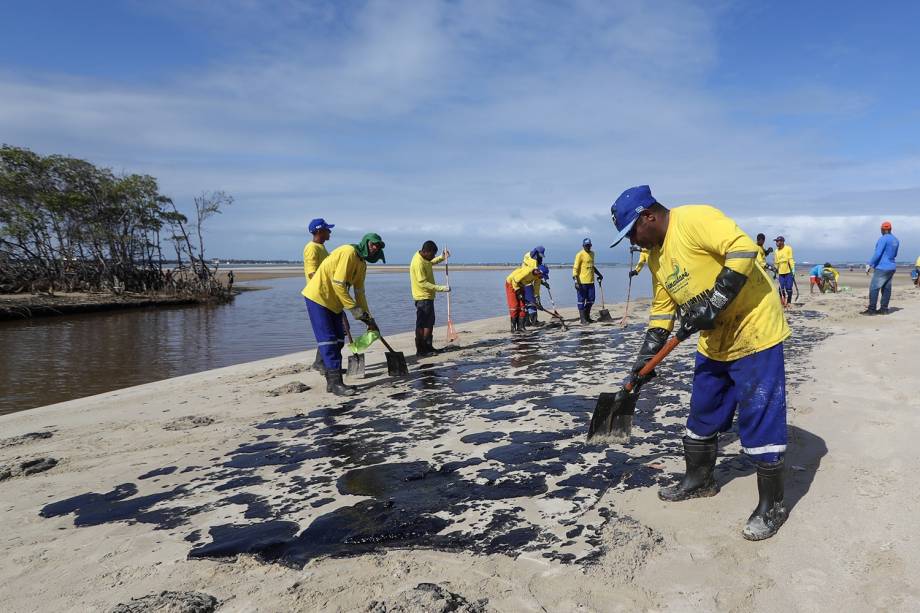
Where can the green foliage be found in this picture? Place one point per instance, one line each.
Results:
(68, 224)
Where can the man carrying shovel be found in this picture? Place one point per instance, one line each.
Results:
(326, 297)
(421, 277)
(703, 266)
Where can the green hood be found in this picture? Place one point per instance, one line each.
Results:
(364, 252)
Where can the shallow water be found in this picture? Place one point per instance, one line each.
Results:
(49, 360)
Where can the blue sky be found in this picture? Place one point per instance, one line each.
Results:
(489, 126)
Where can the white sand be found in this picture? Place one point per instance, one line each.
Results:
(850, 543)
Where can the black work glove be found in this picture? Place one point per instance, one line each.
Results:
(633, 273)
(600, 277)
(539, 304)
(372, 324)
(768, 251)
(702, 315)
(655, 338)
(545, 284)
(520, 295)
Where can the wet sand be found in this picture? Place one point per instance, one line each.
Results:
(471, 474)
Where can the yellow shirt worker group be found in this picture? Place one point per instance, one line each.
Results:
(327, 297)
(421, 277)
(583, 272)
(704, 271)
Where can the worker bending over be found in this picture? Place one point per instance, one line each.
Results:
(514, 292)
(327, 298)
(703, 267)
(532, 258)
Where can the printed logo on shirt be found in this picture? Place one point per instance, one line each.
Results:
(678, 279)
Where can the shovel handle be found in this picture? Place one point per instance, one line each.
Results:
(347, 328)
(386, 344)
(656, 360)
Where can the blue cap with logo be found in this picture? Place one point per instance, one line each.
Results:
(625, 211)
(320, 224)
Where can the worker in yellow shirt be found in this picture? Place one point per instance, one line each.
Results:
(643, 260)
(421, 277)
(830, 278)
(583, 272)
(532, 258)
(314, 253)
(327, 297)
(915, 273)
(761, 252)
(514, 292)
(785, 268)
(704, 267)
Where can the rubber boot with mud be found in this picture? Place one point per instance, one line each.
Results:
(335, 385)
(429, 342)
(534, 322)
(318, 364)
(514, 327)
(522, 323)
(697, 482)
(771, 512)
(421, 346)
(581, 316)
(588, 319)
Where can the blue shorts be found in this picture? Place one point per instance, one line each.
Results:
(329, 330)
(755, 387)
(585, 296)
(786, 281)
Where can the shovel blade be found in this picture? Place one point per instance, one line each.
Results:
(396, 364)
(356, 366)
(604, 315)
(613, 417)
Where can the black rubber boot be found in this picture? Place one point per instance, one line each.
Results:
(771, 512)
(588, 315)
(429, 343)
(581, 316)
(522, 323)
(514, 324)
(697, 482)
(318, 364)
(421, 347)
(335, 385)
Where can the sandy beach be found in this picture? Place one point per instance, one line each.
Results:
(471, 475)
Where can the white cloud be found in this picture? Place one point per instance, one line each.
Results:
(496, 120)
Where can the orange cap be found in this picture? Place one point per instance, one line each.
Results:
(886, 225)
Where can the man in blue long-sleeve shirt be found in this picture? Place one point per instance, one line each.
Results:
(883, 261)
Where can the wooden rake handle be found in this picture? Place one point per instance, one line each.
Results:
(656, 360)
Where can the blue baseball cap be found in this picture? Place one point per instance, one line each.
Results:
(544, 271)
(320, 224)
(587, 241)
(625, 211)
(538, 249)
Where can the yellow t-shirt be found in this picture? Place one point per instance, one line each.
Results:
(832, 270)
(421, 276)
(917, 263)
(761, 256)
(342, 270)
(521, 276)
(701, 240)
(783, 260)
(643, 260)
(531, 263)
(313, 256)
(583, 268)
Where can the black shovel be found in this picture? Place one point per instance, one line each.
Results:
(603, 314)
(355, 360)
(396, 361)
(613, 415)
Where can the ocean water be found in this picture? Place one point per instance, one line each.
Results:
(49, 360)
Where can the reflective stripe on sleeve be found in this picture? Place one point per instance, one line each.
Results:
(668, 317)
(741, 255)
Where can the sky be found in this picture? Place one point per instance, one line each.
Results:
(488, 126)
